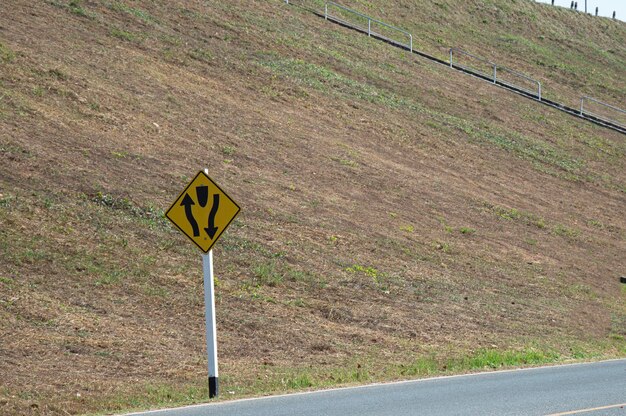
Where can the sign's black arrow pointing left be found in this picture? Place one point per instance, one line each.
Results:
(187, 203)
(211, 228)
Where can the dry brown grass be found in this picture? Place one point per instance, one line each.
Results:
(361, 174)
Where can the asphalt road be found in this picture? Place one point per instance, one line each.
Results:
(582, 389)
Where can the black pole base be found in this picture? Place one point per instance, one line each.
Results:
(213, 387)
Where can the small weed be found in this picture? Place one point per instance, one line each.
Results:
(265, 274)
(407, 228)
(156, 291)
(6, 54)
(202, 55)
(141, 14)
(531, 241)
(345, 162)
(467, 230)
(5, 201)
(583, 290)
(122, 34)
(305, 277)
(564, 231)
(300, 381)
(515, 214)
(6, 280)
(370, 271)
(378, 278)
(443, 246)
(151, 216)
(38, 91)
(110, 278)
(228, 150)
(350, 375)
(423, 366)
(76, 8)
(596, 224)
(58, 74)
(299, 302)
(445, 225)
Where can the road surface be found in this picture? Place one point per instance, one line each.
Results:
(581, 389)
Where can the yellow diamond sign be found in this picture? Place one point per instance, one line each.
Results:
(203, 211)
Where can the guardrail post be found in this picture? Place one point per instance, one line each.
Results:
(539, 84)
(326, 11)
(495, 74)
(451, 58)
(369, 27)
(411, 40)
(582, 100)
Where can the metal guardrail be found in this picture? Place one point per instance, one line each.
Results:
(370, 20)
(619, 126)
(536, 92)
(493, 75)
(601, 117)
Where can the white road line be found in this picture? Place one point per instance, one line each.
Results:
(577, 412)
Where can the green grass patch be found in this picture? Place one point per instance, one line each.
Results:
(369, 271)
(6, 54)
(267, 274)
(564, 231)
(150, 215)
(513, 214)
(154, 395)
(534, 150)
(122, 34)
(76, 8)
(139, 13)
(327, 80)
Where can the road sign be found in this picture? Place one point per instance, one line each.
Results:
(203, 211)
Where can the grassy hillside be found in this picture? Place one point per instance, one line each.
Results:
(399, 219)
(571, 53)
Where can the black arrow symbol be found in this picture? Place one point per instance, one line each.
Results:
(187, 203)
(212, 229)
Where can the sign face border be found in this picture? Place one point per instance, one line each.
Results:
(183, 192)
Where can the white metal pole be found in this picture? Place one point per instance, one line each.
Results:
(211, 334)
(582, 101)
(539, 84)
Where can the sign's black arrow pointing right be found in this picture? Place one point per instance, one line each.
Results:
(212, 229)
(187, 203)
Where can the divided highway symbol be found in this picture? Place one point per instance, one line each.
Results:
(203, 211)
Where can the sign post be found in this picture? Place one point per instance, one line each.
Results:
(190, 213)
(211, 333)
